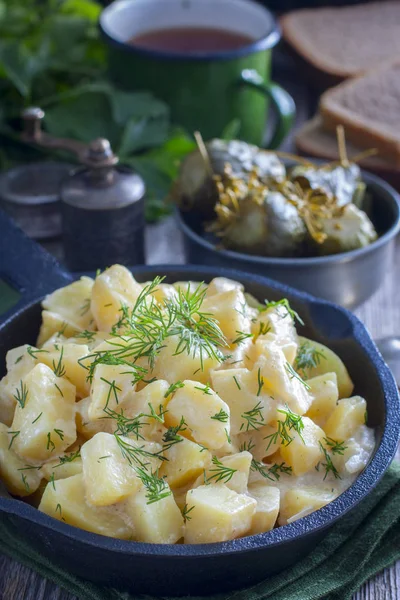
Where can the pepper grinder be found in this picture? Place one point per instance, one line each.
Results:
(102, 205)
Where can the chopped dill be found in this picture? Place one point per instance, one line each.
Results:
(335, 446)
(172, 388)
(283, 309)
(254, 419)
(237, 383)
(294, 375)
(185, 513)
(308, 357)
(21, 394)
(328, 465)
(220, 472)
(221, 416)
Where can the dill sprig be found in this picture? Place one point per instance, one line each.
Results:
(85, 307)
(156, 487)
(14, 435)
(25, 482)
(253, 419)
(206, 389)
(34, 351)
(221, 416)
(21, 394)
(172, 437)
(273, 473)
(50, 444)
(247, 446)
(264, 328)
(185, 513)
(260, 381)
(308, 357)
(237, 383)
(328, 465)
(283, 309)
(59, 368)
(241, 337)
(292, 422)
(68, 458)
(134, 454)
(198, 331)
(37, 418)
(220, 472)
(86, 335)
(294, 375)
(335, 446)
(172, 388)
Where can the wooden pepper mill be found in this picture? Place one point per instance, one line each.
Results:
(102, 204)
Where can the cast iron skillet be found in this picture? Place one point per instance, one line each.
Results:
(197, 569)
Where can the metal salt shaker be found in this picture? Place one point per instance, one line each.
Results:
(102, 204)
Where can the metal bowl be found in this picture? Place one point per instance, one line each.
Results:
(348, 278)
(205, 568)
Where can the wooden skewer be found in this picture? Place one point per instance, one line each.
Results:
(341, 140)
(203, 151)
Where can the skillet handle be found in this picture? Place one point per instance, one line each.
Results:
(26, 267)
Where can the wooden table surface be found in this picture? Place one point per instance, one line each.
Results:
(381, 315)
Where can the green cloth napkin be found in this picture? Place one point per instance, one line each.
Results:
(359, 546)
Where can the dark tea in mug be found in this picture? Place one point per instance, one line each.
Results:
(186, 40)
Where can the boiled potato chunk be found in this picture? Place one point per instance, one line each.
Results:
(154, 398)
(260, 442)
(110, 385)
(69, 356)
(186, 460)
(53, 324)
(65, 500)
(72, 303)
(325, 394)
(84, 425)
(278, 378)
(18, 482)
(267, 510)
(239, 388)
(112, 289)
(221, 284)
(348, 415)
(299, 502)
(197, 405)
(278, 321)
(174, 367)
(227, 308)
(19, 363)
(55, 469)
(304, 451)
(108, 476)
(159, 522)
(329, 362)
(219, 514)
(47, 420)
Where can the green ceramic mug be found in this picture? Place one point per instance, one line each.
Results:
(206, 91)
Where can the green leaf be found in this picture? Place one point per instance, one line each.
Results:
(140, 134)
(136, 104)
(19, 65)
(84, 116)
(231, 131)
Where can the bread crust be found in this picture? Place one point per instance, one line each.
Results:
(359, 130)
(292, 32)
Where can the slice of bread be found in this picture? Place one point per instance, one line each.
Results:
(314, 141)
(345, 41)
(369, 109)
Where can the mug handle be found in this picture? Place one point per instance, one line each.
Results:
(282, 102)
